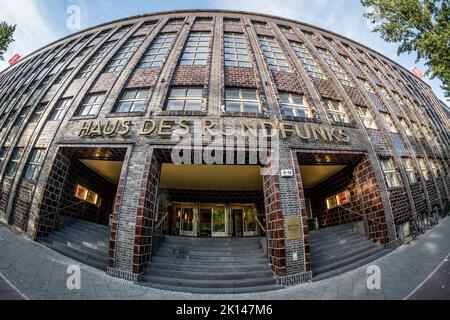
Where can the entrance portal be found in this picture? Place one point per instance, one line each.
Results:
(211, 201)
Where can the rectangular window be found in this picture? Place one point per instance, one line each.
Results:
(2, 156)
(37, 112)
(156, 55)
(275, 58)
(95, 60)
(367, 118)
(410, 170)
(294, 105)
(434, 168)
(185, 99)
(23, 113)
(335, 111)
(309, 63)
(236, 51)
(34, 164)
(61, 108)
(196, 51)
(423, 169)
(91, 105)
(124, 54)
(417, 130)
(132, 101)
(367, 86)
(390, 173)
(87, 195)
(14, 162)
(242, 100)
(406, 128)
(335, 67)
(389, 122)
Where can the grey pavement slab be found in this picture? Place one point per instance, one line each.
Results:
(40, 273)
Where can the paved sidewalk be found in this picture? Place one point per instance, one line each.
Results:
(40, 273)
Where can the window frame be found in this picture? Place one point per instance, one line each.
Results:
(14, 162)
(295, 107)
(124, 54)
(331, 112)
(34, 164)
(185, 98)
(233, 45)
(85, 104)
(60, 110)
(122, 100)
(389, 122)
(390, 173)
(150, 59)
(193, 47)
(242, 100)
(410, 172)
(309, 63)
(423, 168)
(336, 68)
(367, 117)
(273, 61)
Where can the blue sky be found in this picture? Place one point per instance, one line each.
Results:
(42, 21)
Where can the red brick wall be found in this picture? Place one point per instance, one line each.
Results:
(21, 206)
(190, 76)
(288, 82)
(142, 78)
(274, 222)
(240, 77)
(400, 205)
(326, 89)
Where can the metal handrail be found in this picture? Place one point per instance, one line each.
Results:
(260, 224)
(162, 220)
(361, 215)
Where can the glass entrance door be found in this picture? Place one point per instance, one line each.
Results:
(237, 217)
(187, 221)
(249, 221)
(219, 221)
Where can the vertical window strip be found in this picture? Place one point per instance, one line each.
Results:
(309, 63)
(275, 58)
(157, 54)
(95, 60)
(124, 55)
(236, 50)
(196, 49)
(337, 69)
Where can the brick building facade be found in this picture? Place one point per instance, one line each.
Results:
(116, 91)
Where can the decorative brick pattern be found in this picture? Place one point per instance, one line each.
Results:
(143, 78)
(190, 76)
(288, 82)
(240, 77)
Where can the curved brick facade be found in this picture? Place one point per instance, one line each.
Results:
(90, 94)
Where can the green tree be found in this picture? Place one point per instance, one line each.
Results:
(6, 37)
(421, 26)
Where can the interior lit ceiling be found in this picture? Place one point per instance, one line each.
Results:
(314, 175)
(204, 177)
(110, 170)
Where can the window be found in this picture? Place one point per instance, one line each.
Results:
(294, 105)
(434, 169)
(308, 62)
(389, 173)
(410, 170)
(185, 99)
(423, 169)
(2, 156)
(273, 55)
(87, 195)
(389, 122)
(367, 86)
(91, 105)
(34, 164)
(335, 111)
(132, 101)
(417, 130)
(236, 52)
(96, 59)
(61, 108)
(196, 50)
(405, 127)
(14, 162)
(260, 24)
(156, 55)
(384, 93)
(175, 21)
(23, 113)
(38, 111)
(332, 202)
(124, 54)
(242, 100)
(62, 76)
(367, 118)
(231, 20)
(337, 70)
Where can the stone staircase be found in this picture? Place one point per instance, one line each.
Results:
(338, 249)
(83, 241)
(210, 265)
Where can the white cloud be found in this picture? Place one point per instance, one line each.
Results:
(32, 31)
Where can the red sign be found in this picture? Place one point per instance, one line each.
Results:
(14, 59)
(343, 198)
(417, 72)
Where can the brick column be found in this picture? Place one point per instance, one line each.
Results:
(289, 259)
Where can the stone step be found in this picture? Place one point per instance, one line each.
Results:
(85, 236)
(93, 244)
(190, 241)
(338, 263)
(215, 248)
(180, 282)
(212, 269)
(214, 262)
(202, 257)
(193, 274)
(318, 249)
(320, 234)
(349, 267)
(164, 251)
(83, 247)
(331, 240)
(221, 291)
(342, 251)
(80, 256)
(92, 226)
